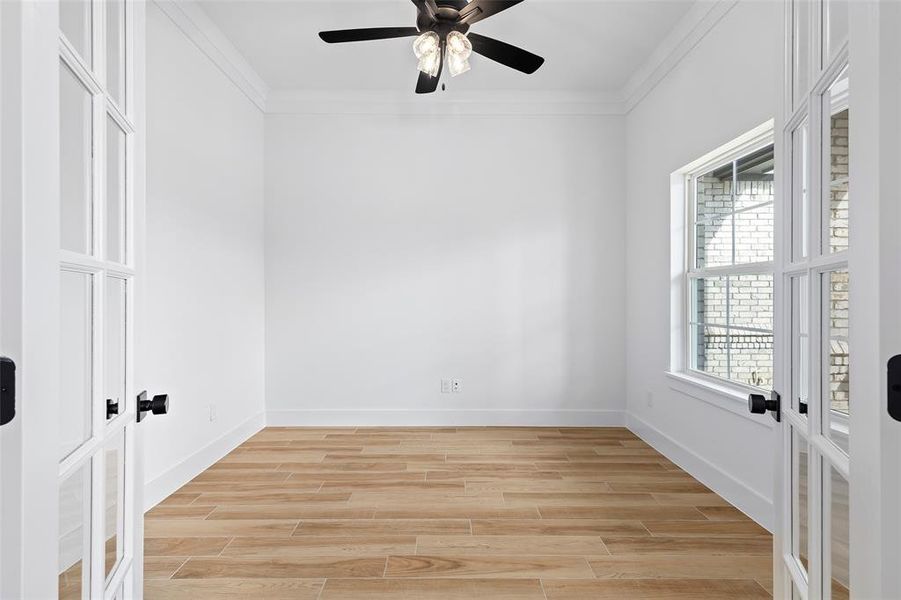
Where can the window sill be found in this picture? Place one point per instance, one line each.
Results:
(729, 398)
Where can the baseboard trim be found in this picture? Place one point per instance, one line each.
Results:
(749, 501)
(186, 470)
(445, 418)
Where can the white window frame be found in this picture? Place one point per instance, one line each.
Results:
(682, 259)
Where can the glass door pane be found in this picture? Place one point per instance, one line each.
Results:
(114, 487)
(115, 51)
(836, 156)
(75, 23)
(114, 240)
(837, 517)
(800, 345)
(114, 343)
(76, 360)
(835, 26)
(75, 534)
(799, 503)
(836, 367)
(76, 162)
(799, 195)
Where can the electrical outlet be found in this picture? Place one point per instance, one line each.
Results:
(212, 412)
(445, 386)
(457, 385)
(650, 399)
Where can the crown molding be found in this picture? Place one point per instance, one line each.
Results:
(363, 102)
(701, 18)
(200, 29)
(688, 32)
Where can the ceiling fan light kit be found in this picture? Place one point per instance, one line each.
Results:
(442, 35)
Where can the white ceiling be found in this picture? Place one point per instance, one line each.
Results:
(590, 45)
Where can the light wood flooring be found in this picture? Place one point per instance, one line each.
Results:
(451, 513)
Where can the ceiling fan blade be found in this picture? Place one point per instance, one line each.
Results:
(428, 84)
(477, 10)
(365, 35)
(504, 53)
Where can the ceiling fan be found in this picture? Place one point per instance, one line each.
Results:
(442, 34)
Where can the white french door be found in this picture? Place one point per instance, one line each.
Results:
(837, 469)
(76, 298)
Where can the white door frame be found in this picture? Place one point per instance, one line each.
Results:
(30, 311)
(876, 310)
(30, 257)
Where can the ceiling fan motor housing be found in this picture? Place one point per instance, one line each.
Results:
(447, 17)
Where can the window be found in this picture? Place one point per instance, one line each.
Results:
(729, 264)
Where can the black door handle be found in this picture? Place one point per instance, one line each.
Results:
(894, 387)
(759, 404)
(158, 406)
(7, 390)
(112, 408)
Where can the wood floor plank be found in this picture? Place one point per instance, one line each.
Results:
(456, 512)
(308, 567)
(723, 513)
(709, 499)
(627, 513)
(206, 487)
(356, 527)
(161, 567)
(395, 486)
(654, 589)
(286, 510)
(751, 546)
(359, 465)
(239, 476)
(471, 476)
(706, 528)
(179, 512)
(450, 513)
(682, 567)
(272, 497)
(271, 589)
(577, 499)
(477, 567)
(558, 527)
(525, 485)
(321, 545)
(432, 589)
(357, 477)
(216, 528)
(185, 546)
(511, 544)
(686, 486)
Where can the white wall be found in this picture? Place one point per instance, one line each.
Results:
(204, 268)
(401, 250)
(724, 87)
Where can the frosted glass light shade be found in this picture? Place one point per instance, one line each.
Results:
(459, 45)
(456, 64)
(430, 63)
(426, 44)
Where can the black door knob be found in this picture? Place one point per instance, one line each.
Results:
(159, 405)
(759, 404)
(112, 408)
